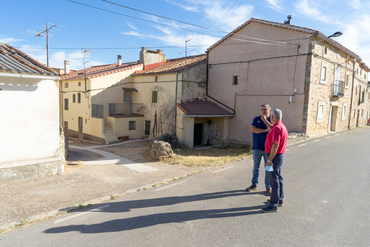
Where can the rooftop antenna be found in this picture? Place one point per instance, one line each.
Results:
(45, 33)
(288, 21)
(84, 51)
(186, 51)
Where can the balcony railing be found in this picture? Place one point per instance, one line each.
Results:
(125, 109)
(338, 89)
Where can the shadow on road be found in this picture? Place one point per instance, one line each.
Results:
(143, 221)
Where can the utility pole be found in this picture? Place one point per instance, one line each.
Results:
(46, 32)
(84, 62)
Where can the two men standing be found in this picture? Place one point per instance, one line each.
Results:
(269, 141)
(261, 125)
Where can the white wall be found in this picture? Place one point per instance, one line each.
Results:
(29, 126)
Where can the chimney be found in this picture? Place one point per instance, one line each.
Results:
(66, 67)
(119, 60)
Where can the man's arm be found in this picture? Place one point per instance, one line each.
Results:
(273, 152)
(268, 124)
(256, 130)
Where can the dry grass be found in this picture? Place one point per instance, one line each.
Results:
(207, 157)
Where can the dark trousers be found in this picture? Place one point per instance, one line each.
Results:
(276, 181)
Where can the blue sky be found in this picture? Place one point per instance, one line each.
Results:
(123, 32)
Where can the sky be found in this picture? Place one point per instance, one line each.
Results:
(107, 28)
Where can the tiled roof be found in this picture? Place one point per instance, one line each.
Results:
(289, 27)
(174, 65)
(204, 108)
(13, 60)
(98, 71)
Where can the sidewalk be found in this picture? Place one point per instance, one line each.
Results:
(99, 176)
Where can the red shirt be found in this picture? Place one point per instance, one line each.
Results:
(278, 134)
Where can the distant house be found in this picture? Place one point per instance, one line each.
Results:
(30, 133)
(176, 92)
(309, 76)
(89, 96)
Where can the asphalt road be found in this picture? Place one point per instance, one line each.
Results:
(326, 204)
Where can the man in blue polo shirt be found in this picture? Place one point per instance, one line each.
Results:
(260, 127)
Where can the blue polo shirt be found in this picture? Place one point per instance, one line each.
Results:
(259, 139)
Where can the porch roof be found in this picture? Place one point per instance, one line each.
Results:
(203, 108)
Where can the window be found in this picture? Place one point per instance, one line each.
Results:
(323, 74)
(320, 111)
(235, 80)
(66, 107)
(127, 96)
(97, 111)
(325, 51)
(132, 125)
(74, 98)
(347, 80)
(156, 78)
(79, 98)
(344, 112)
(79, 84)
(66, 85)
(154, 96)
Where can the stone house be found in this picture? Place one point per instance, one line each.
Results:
(177, 94)
(31, 138)
(306, 74)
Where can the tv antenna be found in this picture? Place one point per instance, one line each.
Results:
(46, 34)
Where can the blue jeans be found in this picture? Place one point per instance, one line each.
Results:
(257, 157)
(276, 181)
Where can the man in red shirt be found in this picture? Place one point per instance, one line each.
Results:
(275, 147)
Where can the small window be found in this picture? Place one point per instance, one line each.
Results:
(79, 98)
(235, 80)
(154, 96)
(66, 106)
(325, 51)
(156, 78)
(320, 111)
(66, 85)
(344, 112)
(347, 80)
(79, 84)
(132, 125)
(323, 74)
(74, 98)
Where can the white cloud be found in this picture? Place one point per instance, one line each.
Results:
(309, 9)
(132, 26)
(356, 37)
(275, 4)
(225, 16)
(191, 8)
(133, 33)
(9, 40)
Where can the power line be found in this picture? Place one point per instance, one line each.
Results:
(269, 42)
(187, 23)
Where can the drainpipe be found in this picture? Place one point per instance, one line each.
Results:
(353, 85)
(177, 81)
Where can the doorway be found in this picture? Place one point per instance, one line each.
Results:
(147, 127)
(198, 133)
(80, 128)
(334, 114)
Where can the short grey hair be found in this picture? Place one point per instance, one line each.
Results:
(277, 114)
(267, 106)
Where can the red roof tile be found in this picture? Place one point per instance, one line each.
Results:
(98, 71)
(204, 108)
(174, 65)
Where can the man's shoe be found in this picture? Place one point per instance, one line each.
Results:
(280, 203)
(268, 191)
(251, 188)
(269, 209)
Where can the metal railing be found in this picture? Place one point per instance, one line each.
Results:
(125, 109)
(338, 88)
